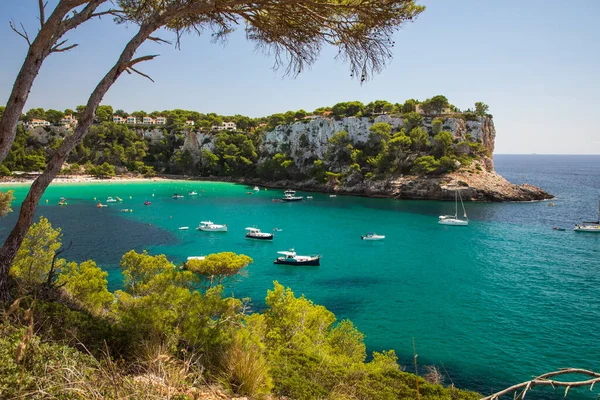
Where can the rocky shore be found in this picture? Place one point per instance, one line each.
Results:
(475, 185)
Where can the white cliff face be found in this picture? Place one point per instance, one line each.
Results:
(307, 140)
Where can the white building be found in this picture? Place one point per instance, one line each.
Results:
(38, 122)
(189, 123)
(68, 120)
(131, 119)
(229, 126)
(148, 120)
(161, 121)
(118, 120)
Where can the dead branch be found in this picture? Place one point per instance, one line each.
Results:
(158, 40)
(57, 49)
(543, 380)
(113, 12)
(42, 6)
(23, 34)
(128, 70)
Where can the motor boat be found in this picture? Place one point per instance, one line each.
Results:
(198, 258)
(333, 196)
(111, 200)
(309, 197)
(256, 188)
(100, 205)
(372, 236)
(290, 195)
(192, 193)
(255, 233)
(209, 226)
(291, 258)
(147, 203)
(184, 228)
(290, 198)
(177, 196)
(125, 210)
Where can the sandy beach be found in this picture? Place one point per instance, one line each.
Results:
(12, 181)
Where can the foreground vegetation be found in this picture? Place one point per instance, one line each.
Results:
(170, 333)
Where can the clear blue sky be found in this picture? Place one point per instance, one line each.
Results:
(535, 63)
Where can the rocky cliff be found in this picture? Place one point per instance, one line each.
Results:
(308, 140)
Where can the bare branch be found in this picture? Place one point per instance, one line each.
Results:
(23, 34)
(42, 17)
(138, 60)
(57, 49)
(543, 380)
(158, 40)
(138, 72)
(113, 12)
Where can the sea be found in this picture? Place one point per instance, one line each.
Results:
(492, 304)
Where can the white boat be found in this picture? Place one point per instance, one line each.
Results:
(177, 196)
(589, 226)
(192, 193)
(255, 233)
(209, 226)
(290, 197)
(372, 236)
(199, 258)
(309, 197)
(453, 219)
(291, 258)
(184, 228)
(333, 196)
(125, 210)
(256, 188)
(111, 200)
(290, 192)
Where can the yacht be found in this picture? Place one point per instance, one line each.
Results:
(111, 200)
(290, 195)
(589, 226)
(372, 236)
(453, 219)
(255, 233)
(177, 196)
(291, 258)
(209, 226)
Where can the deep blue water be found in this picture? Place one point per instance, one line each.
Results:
(496, 303)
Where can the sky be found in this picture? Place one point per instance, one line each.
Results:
(534, 62)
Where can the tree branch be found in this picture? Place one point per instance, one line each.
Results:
(128, 70)
(42, 17)
(113, 12)
(57, 49)
(543, 380)
(158, 40)
(23, 34)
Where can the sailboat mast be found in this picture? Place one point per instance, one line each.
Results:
(455, 204)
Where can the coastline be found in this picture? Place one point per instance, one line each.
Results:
(484, 186)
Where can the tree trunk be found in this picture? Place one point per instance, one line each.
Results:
(29, 205)
(51, 30)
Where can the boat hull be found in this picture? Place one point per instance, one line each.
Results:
(266, 237)
(290, 199)
(224, 229)
(453, 222)
(594, 229)
(373, 238)
(315, 262)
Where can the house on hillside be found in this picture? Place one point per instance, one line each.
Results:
(161, 121)
(225, 126)
(148, 120)
(189, 122)
(118, 119)
(38, 122)
(131, 120)
(68, 120)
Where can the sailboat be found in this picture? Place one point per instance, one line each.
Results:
(589, 226)
(453, 219)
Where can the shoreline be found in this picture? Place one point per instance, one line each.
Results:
(490, 187)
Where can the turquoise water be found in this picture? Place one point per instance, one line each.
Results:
(497, 302)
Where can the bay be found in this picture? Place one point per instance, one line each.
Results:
(495, 303)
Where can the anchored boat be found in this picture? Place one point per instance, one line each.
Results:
(453, 219)
(589, 226)
(291, 258)
(372, 236)
(255, 233)
(209, 226)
